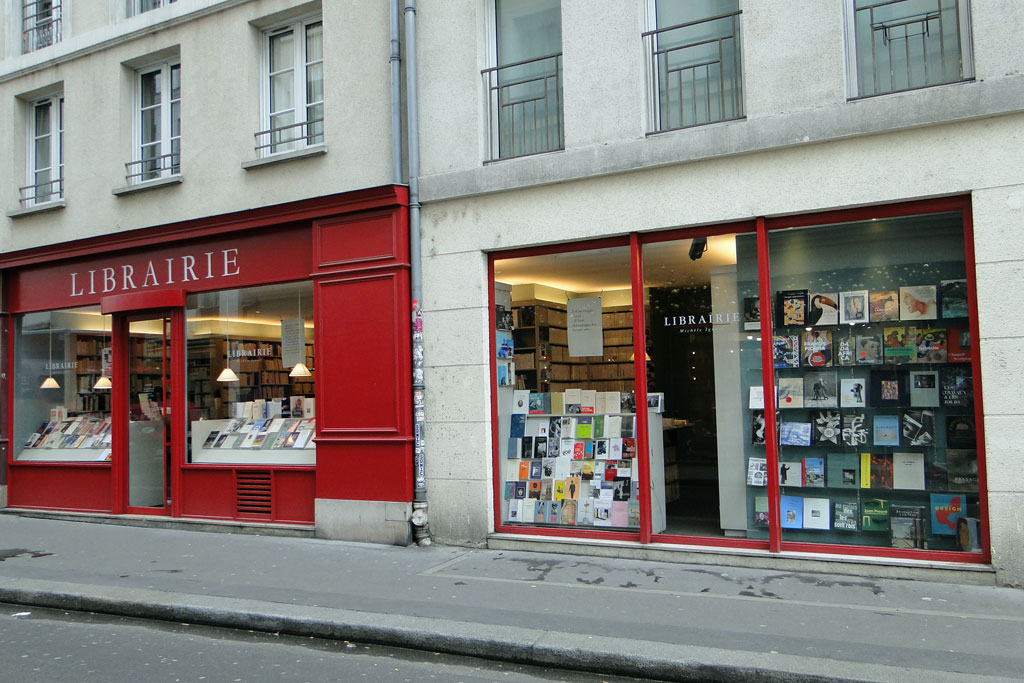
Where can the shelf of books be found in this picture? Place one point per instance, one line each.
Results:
(875, 419)
(541, 350)
(275, 431)
(70, 438)
(570, 459)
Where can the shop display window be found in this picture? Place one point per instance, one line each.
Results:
(872, 354)
(249, 385)
(62, 386)
(567, 420)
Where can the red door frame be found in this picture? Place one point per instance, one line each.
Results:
(762, 227)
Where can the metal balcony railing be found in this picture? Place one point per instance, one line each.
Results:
(524, 107)
(52, 190)
(696, 74)
(40, 24)
(288, 138)
(153, 168)
(908, 48)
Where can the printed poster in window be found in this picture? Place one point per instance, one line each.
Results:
(585, 327)
(293, 342)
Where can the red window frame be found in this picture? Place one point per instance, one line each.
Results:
(761, 226)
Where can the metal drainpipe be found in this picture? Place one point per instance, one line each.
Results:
(420, 522)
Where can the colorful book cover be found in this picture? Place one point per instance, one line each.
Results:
(946, 509)
(503, 344)
(791, 509)
(814, 472)
(919, 427)
(822, 309)
(917, 302)
(853, 307)
(536, 405)
(828, 428)
(820, 390)
(520, 492)
(889, 389)
(579, 450)
(869, 349)
(899, 346)
(533, 489)
(524, 470)
(843, 470)
(584, 427)
(791, 392)
(953, 298)
(845, 515)
(569, 512)
(874, 515)
(786, 350)
(958, 345)
(907, 524)
(792, 306)
(879, 470)
(883, 306)
(816, 348)
(931, 345)
(816, 513)
(559, 491)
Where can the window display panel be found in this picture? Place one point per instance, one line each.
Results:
(62, 383)
(704, 360)
(565, 390)
(872, 350)
(249, 364)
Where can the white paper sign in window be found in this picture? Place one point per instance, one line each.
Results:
(585, 327)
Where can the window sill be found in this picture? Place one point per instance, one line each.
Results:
(37, 208)
(921, 87)
(312, 151)
(148, 185)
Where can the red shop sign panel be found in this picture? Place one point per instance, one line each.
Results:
(226, 262)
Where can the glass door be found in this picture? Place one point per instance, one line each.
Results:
(148, 349)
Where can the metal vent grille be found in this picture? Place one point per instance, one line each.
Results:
(253, 493)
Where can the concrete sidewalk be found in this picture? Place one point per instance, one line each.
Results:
(629, 617)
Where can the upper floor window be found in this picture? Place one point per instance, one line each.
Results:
(157, 124)
(40, 23)
(293, 88)
(524, 83)
(45, 168)
(140, 6)
(695, 62)
(906, 44)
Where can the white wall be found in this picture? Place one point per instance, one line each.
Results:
(220, 58)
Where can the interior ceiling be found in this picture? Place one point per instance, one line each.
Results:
(595, 270)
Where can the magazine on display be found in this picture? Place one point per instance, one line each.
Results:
(792, 306)
(823, 309)
(816, 348)
(853, 307)
(884, 306)
(930, 344)
(868, 349)
(917, 302)
(953, 298)
(786, 351)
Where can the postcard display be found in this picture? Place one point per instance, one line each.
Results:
(875, 409)
(570, 459)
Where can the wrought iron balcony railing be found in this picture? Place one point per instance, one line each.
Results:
(524, 107)
(289, 138)
(152, 168)
(696, 72)
(40, 24)
(48, 191)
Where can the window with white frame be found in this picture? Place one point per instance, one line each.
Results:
(524, 82)
(293, 88)
(45, 167)
(40, 23)
(895, 45)
(140, 6)
(157, 123)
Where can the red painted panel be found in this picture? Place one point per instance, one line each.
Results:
(364, 470)
(363, 377)
(85, 488)
(137, 301)
(294, 491)
(238, 260)
(372, 238)
(207, 493)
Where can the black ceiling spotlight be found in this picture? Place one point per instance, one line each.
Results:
(697, 247)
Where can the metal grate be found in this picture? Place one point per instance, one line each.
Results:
(253, 493)
(524, 102)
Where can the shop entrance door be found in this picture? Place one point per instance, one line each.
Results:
(145, 405)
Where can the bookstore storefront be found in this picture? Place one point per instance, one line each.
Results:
(804, 383)
(205, 370)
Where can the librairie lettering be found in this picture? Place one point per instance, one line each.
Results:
(62, 365)
(251, 353)
(702, 319)
(169, 271)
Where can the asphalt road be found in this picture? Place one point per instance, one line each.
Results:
(41, 645)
